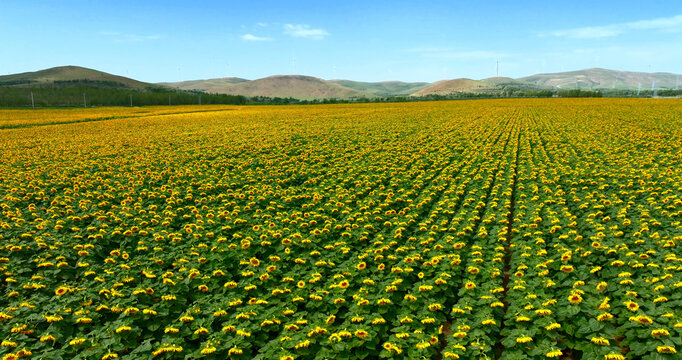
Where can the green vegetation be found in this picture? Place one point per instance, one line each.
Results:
(69, 94)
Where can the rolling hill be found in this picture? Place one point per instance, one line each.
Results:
(449, 87)
(70, 74)
(509, 83)
(312, 88)
(208, 85)
(78, 86)
(306, 87)
(596, 78)
(384, 88)
(295, 86)
(283, 86)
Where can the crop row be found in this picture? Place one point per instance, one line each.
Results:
(523, 229)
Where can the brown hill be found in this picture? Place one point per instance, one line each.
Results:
(72, 74)
(295, 86)
(448, 87)
(208, 85)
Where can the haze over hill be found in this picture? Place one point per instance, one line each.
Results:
(597, 78)
(217, 85)
(384, 88)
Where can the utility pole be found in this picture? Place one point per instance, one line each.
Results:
(497, 68)
(131, 100)
(653, 89)
(199, 99)
(639, 88)
(85, 102)
(169, 100)
(33, 104)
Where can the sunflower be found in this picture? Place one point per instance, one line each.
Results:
(575, 299)
(238, 351)
(666, 350)
(201, 331)
(600, 341)
(76, 341)
(631, 305)
(61, 290)
(554, 353)
(659, 332)
(553, 326)
(524, 339)
(46, 338)
(123, 328)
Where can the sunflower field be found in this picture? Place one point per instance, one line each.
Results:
(488, 229)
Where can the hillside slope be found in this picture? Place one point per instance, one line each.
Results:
(384, 88)
(597, 78)
(217, 85)
(66, 74)
(448, 87)
(295, 86)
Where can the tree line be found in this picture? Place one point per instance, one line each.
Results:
(79, 93)
(84, 95)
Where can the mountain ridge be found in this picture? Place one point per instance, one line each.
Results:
(308, 87)
(72, 73)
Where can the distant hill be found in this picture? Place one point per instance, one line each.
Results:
(73, 74)
(306, 87)
(295, 86)
(450, 87)
(77, 86)
(218, 85)
(596, 78)
(384, 88)
(79, 80)
(509, 83)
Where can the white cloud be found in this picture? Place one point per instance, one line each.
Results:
(262, 24)
(304, 31)
(249, 37)
(669, 24)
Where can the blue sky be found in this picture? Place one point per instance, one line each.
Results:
(358, 40)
